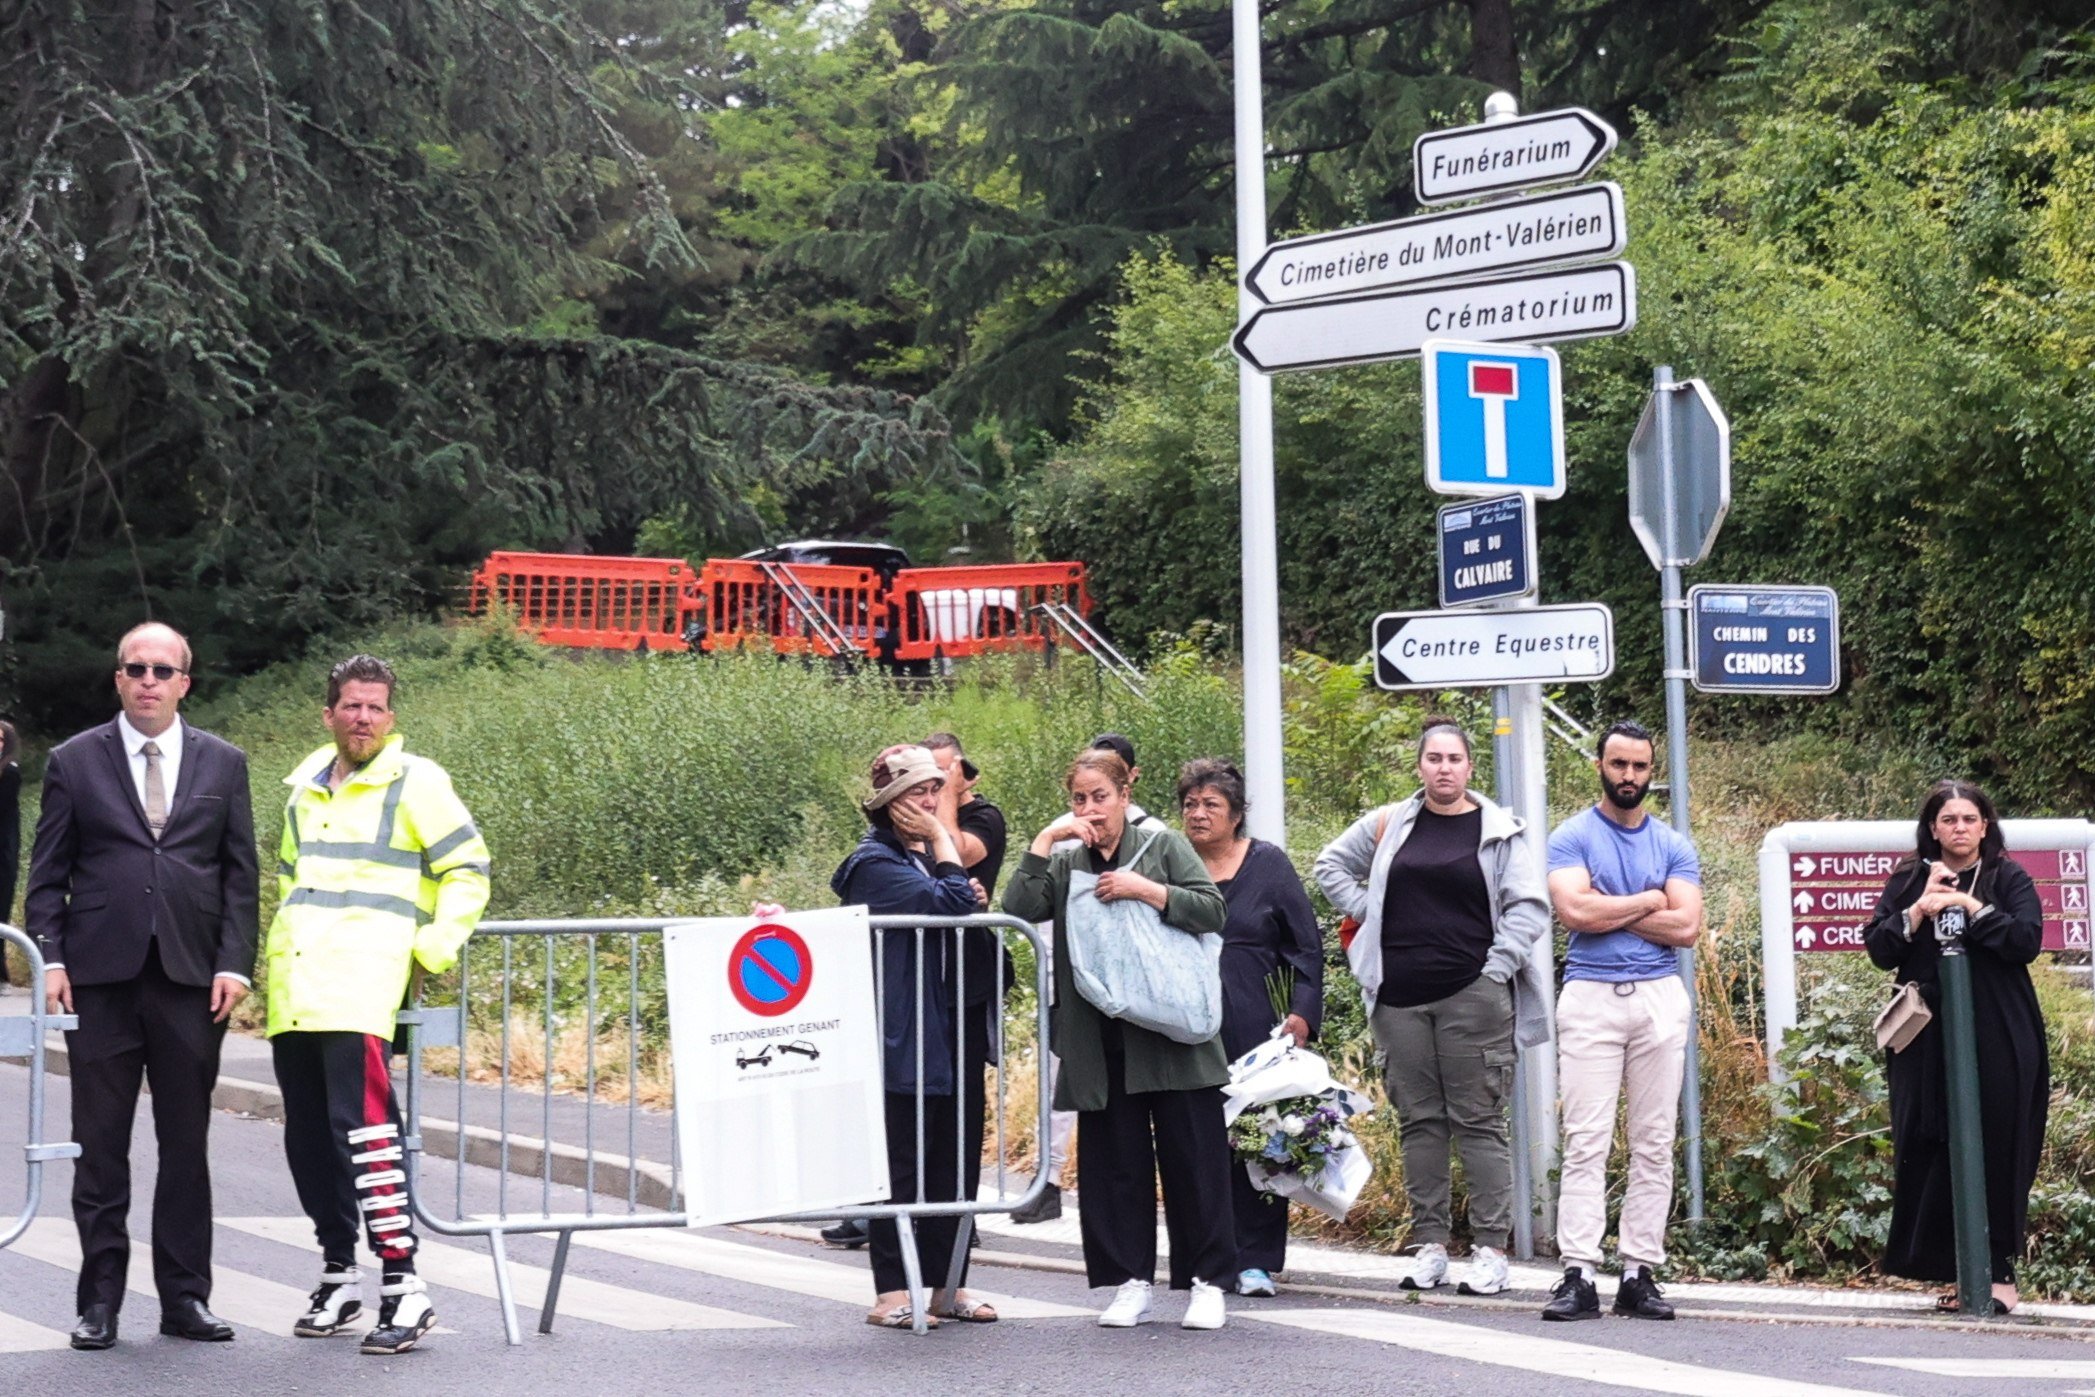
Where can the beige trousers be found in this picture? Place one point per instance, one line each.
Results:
(1612, 1038)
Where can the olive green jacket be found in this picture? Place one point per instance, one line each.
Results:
(1039, 891)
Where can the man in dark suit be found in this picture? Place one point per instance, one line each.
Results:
(142, 894)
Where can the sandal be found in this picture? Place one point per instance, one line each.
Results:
(1948, 1303)
(970, 1311)
(900, 1317)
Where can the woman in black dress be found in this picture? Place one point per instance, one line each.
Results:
(1271, 932)
(1959, 862)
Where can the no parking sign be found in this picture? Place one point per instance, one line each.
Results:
(776, 1049)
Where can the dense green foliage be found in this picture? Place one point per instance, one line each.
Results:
(283, 331)
(303, 311)
(1898, 314)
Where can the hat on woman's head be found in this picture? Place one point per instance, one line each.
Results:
(899, 768)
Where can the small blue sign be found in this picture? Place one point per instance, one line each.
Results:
(1494, 418)
(1486, 550)
(1764, 640)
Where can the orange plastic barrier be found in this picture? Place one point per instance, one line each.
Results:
(946, 613)
(829, 611)
(605, 603)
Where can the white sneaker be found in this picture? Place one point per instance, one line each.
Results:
(1130, 1306)
(1204, 1310)
(1487, 1272)
(1429, 1269)
(333, 1306)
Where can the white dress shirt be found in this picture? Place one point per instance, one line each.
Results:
(170, 772)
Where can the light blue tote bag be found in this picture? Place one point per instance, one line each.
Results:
(1130, 966)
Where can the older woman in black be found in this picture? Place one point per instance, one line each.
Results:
(1960, 862)
(1270, 936)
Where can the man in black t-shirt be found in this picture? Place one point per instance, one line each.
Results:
(985, 970)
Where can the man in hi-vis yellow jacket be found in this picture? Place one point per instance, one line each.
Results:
(380, 870)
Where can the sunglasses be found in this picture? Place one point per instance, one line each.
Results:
(135, 670)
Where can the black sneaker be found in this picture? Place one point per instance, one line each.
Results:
(850, 1234)
(1638, 1296)
(1574, 1298)
(1045, 1208)
(404, 1316)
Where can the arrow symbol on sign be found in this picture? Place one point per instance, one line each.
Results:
(1806, 938)
(1805, 866)
(1803, 902)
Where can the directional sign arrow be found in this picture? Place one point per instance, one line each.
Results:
(1537, 307)
(1804, 902)
(1567, 225)
(1464, 162)
(1476, 649)
(1805, 866)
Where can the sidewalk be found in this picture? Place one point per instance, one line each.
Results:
(1320, 1267)
(247, 1084)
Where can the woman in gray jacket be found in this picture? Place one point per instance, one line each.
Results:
(1450, 900)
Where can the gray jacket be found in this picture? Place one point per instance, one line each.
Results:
(1353, 871)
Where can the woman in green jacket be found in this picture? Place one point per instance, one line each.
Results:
(1127, 1083)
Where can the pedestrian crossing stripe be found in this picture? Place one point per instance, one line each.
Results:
(456, 1268)
(2027, 1369)
(1557, 1358)
(248, 1301)
(761, 1266)
(20, 1336)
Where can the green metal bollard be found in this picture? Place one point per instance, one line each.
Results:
(1967, 1150)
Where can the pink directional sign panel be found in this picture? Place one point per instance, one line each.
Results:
(1833, 894)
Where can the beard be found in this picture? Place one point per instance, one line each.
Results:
(1626, 796)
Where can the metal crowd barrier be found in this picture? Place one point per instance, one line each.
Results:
(23, 1036)
(605, 976)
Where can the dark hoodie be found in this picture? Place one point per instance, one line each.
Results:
(890, 881)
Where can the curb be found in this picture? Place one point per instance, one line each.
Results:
(2070, 1330)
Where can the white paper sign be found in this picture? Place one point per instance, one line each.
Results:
(776, 1048)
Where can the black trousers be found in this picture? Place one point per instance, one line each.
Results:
(342, 1139)
(1262, 1223)
(1175, 1136)
(935, 1236)
(974, 1085)
(153, 1029)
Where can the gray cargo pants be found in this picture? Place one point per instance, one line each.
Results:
(1449, 1070)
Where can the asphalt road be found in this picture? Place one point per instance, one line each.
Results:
(728, 1309)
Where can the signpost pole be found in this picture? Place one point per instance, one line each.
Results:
(1534, 1075)
(1967, 1151)
(1263, 775)
(1674, 601)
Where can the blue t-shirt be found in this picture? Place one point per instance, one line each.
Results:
(1621, 862)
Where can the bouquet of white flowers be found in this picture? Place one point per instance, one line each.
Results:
(1287, 1119)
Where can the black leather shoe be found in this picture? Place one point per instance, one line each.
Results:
(96, 1329)
(1638, 1296)
(1574, 1298)
(190, 1320)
